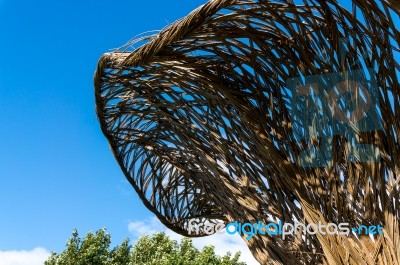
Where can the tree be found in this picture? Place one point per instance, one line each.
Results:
(157, 249)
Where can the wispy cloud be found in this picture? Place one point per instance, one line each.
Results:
(222, 242)
(145, 227)
(36, 256)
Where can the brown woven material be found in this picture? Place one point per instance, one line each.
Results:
(200, 123)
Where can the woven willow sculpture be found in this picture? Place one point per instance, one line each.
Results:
(240, 112)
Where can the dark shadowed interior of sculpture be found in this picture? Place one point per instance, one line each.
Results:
(266, 111)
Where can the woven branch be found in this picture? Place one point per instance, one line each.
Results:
(202, 122)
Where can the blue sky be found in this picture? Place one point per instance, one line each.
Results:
(57, 172)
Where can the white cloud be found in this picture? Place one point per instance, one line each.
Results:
(36, 256)
(148, 227)
(222, 242)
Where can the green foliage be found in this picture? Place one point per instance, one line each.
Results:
(157, 249)
(93, 249)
